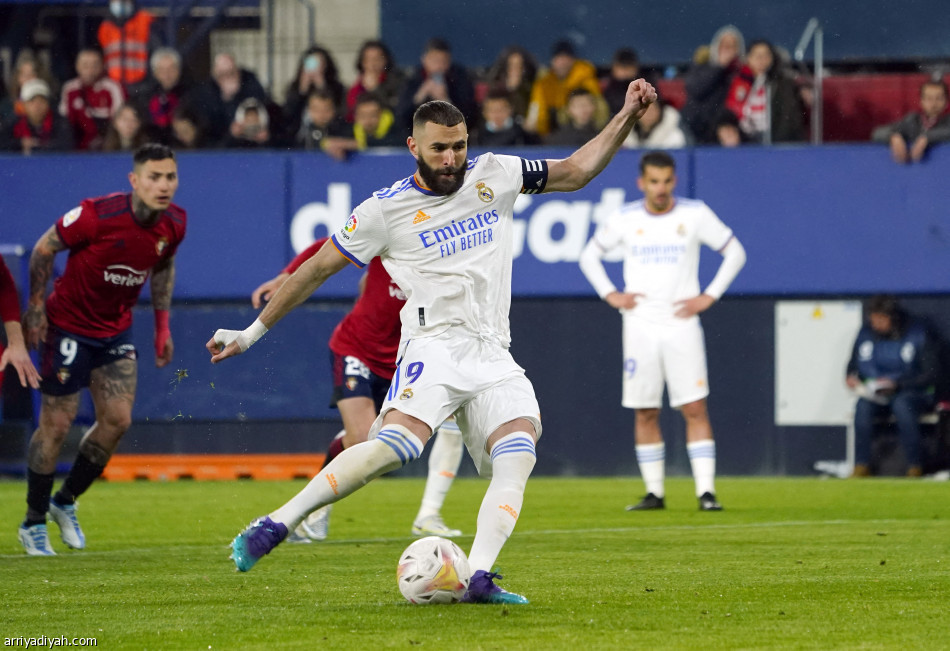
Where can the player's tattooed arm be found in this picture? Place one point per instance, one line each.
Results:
(41, 271)
(163, 281)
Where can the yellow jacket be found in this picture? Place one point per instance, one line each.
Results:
(549, 95)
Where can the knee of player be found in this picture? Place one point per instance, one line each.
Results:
(406, 445)
(115, 420)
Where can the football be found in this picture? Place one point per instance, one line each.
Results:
(433, 570)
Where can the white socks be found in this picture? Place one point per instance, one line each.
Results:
(702, 458)
(444, 459)
(352, 469)
(512, 459)
(652, 461)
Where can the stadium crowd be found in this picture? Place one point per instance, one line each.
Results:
(734, 94)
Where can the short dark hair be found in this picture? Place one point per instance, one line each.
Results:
(563, 46)
(883, 304)
(626, 56)
(370, 98)
(498, 93)
(656, 159)
(439, 112)
(579, 92)
(936, 83)
(152, 151)
(439, 44)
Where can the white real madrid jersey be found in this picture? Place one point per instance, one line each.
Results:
(661, 252)
(452, 254)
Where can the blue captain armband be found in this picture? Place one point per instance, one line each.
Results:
(534, 176)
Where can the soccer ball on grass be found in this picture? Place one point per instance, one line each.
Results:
(433, 570)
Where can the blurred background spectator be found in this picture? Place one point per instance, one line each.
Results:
(910, 136)
(321, 122)
(26, 66)
(514, 72)
(126, 131)
(374, 122)
(316, 71)
(251, 126)
(90, 100)
(708, 80)
(125, 37)
(580, 122)
(727, 130)
(658, 128)
(765, 98)
(161, 95)
(216, 101)
(624, 68)
(437, 77)
(499, 126)
(378, 74)
(551, 90)
(188, 131)
(39, 128)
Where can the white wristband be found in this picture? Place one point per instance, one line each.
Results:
(251, 334)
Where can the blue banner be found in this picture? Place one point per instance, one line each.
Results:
(814, 220)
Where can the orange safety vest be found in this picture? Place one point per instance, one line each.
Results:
(126, 48)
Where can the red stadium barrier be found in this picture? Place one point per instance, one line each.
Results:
(202, 467)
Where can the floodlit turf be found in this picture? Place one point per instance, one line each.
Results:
(790, 563)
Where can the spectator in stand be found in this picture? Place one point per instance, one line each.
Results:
(499, 128)
(322, 128)
(125, 37)
(160, 96)
(25, 67)
(893, 370)
(909, 137)
(764, 76)
(658, 128)
(316, 71)
(514, 72)
(581, 125)
(708, 80)
(551, 90)
(216, 100)
(90, 100)
(39, 129)
(624, 68)
(187, 129)
(436, 78)
(378, 74)
(374, 123)
(251, 126)
(728, 133)
(125, 132)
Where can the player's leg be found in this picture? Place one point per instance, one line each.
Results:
(400, 440)
(643, 391)
(501, 426)
(64, 371)
(357, 394)
(444, 459)
(684, 358)
(112, 387)
(57, 414)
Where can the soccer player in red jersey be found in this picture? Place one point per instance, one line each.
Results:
(363, 350)
(15, 354)
(83, 331)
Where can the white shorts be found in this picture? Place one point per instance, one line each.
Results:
(477, 381)
(655, 353)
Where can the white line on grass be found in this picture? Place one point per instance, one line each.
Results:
(519, 534)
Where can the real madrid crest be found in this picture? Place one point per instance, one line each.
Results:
(406, 394)
(681, 230)
(484, 192)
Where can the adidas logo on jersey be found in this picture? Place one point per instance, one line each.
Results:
(420, 217)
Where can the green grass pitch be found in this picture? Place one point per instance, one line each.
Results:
(791, 563)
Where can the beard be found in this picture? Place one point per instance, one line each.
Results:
(438, 181)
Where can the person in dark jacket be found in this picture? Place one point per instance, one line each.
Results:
(909, 137)
(437, 77)
(893, 370)
(40, 128)
(707, 83)
(216, 101)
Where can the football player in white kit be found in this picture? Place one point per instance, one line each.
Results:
(444, 235)
(660, 236)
